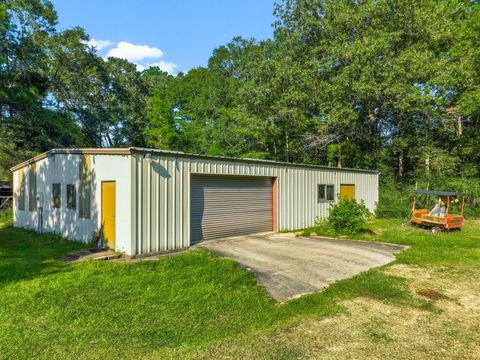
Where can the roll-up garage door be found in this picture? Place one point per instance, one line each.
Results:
(223, 206)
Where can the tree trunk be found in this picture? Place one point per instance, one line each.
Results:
(459, 123)
(287, 150)
(400, 164)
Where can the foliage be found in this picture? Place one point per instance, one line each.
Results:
(345, 84)
(395, 201)
(6, 216)
(347, 216)
(56, 92)
(42, 296)
(322, 227)
(342, 83)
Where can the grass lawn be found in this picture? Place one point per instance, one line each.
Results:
(196, 305)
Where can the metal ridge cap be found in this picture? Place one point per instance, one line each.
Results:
(88, 151)
(130, 150)
(230, 158)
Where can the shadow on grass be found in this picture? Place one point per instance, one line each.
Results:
(25, 254)
(193, 299)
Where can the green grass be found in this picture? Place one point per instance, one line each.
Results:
(455, 248)
(179, 304)
(452, 249)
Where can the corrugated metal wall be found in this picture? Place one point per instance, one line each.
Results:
(161, 193)
(64, 169)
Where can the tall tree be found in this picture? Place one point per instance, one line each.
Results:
(56, 92)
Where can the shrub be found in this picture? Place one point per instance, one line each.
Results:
(323, 227)
(395, 201)
(6, 216)
(348, 216)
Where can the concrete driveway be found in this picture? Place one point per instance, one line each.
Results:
(289, 266)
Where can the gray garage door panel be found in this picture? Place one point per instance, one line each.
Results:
(229, 206)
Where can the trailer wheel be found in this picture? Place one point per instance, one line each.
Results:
(436, 230)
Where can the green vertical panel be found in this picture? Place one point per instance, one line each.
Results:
(186, 204)
(166, 197)
(153, 212)
(85, 188)
(146, 205)
(81, 187)
(32, 187)
(160, 209)
(134, 205)
(21, 189)
(171, 201)
(139, 205)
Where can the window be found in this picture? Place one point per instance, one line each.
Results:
(71, 197)
(56, 192)
(326, 193)
(330, 193)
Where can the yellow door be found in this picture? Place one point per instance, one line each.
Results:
(108, 213)
(347, 191)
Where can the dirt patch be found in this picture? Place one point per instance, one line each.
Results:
(448, 328)
(370, 232)
(431, 294)
(90, 254)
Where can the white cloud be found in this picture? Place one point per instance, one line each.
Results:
(168, 67)
(99, 44)
(135, 53)
(138, 54)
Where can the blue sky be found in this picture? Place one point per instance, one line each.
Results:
(177, 35)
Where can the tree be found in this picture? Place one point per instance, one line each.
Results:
(56, 92)
(105, 97)
(375, 79)
(161, 130)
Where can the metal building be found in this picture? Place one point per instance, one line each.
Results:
(142, 201)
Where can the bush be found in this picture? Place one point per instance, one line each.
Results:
(395, 201)
(6, 216)
(323, 227)
(348, 216)
(471, 188)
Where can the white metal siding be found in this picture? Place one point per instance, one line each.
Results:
(63, 169)
(115, 168)
(162, 195)
(153, 195)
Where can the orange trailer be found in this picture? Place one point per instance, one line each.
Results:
(446, 221)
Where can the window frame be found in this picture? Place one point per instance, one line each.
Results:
(325, 188)
(71, 200)
(54, 195)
